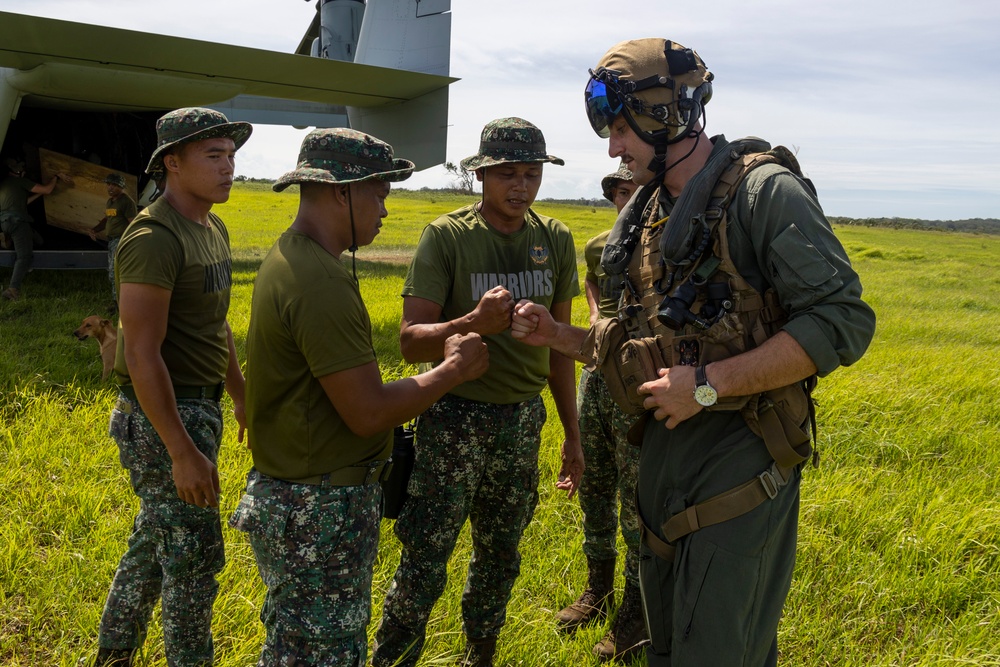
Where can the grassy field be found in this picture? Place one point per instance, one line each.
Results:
(899, 550)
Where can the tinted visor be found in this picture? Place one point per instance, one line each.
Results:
(603, 105)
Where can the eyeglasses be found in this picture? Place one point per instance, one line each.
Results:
(602, 101)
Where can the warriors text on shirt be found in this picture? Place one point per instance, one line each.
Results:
(521, 285)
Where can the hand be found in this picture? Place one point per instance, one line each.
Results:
(492, 313)
(239, 411)
(532, 324)
(469, 353)
(197, 479)
(65, 178)
(571, 471)
(91, 234)
(672, 396)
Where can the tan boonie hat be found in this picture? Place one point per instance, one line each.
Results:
(115, 179)
(342, 155)
(640, 59)
(610, 182)
(509, 140)
(193, 124)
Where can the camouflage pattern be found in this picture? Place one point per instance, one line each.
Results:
(343, 155)
(112, 251)
(473, 460)
(193, 124)
(18, 231)
(509, 140)
(115, 179)
(610, 475)
(315, 548)
(610, 182)
(175, 549)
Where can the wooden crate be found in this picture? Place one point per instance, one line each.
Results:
(80, 206)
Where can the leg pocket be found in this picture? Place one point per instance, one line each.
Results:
(716, 593)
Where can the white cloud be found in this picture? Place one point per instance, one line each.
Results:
(892, 104)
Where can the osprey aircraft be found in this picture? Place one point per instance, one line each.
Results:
(84, 98)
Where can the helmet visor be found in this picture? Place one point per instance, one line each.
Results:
(603, 106)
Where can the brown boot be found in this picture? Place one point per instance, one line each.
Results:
(479, 652)
(594, 603)
(627, 638)
(11, 294)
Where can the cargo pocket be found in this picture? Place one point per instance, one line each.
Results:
(191, 551)
(120, 430)
(716, 591)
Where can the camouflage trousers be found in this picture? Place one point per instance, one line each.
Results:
(112, 251)
(473, 460)
(609, 478)
(315, 548)
(175, 549)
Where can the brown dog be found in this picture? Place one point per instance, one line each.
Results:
(105, 333)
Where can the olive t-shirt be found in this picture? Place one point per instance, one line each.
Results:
(460, 257)
(610, 289)
(163, 248)
(119, 212)
(307, 320)
(14, 193)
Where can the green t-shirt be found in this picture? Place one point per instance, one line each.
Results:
(610, 289)
(14, 193)
(119, 212)
(460, 256)
(163, 248)
(307, 320)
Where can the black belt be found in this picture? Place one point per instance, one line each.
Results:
(362, 473)
(213, 392)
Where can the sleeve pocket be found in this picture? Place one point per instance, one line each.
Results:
(794, 260)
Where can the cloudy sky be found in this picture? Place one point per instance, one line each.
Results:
(891, 105)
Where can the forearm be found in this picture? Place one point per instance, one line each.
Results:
(779, 362)
(235, 384)
(425, 342)
(562, 384)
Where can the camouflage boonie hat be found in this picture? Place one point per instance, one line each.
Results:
(509, 140)
(342, 155)
(115, 179)
(13, 164)
(610, 182)
(193, 124)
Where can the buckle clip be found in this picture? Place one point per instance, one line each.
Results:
(772, 481)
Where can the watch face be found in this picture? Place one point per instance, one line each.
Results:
(705, 395)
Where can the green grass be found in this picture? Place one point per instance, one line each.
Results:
(899, 549)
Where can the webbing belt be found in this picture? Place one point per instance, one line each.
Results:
(717, 509)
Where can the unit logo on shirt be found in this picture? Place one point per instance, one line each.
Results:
(539, 254)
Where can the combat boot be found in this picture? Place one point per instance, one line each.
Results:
(594, 603)
(479, 652)
(114, 657)
(627, 637)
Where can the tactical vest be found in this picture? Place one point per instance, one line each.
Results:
(718, 314)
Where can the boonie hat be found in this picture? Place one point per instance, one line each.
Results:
(610, 182)
(13, 164)
(509, 140)
(193, 124)
(342, 155)
(115, 179)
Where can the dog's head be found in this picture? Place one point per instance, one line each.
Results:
(91, 326)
